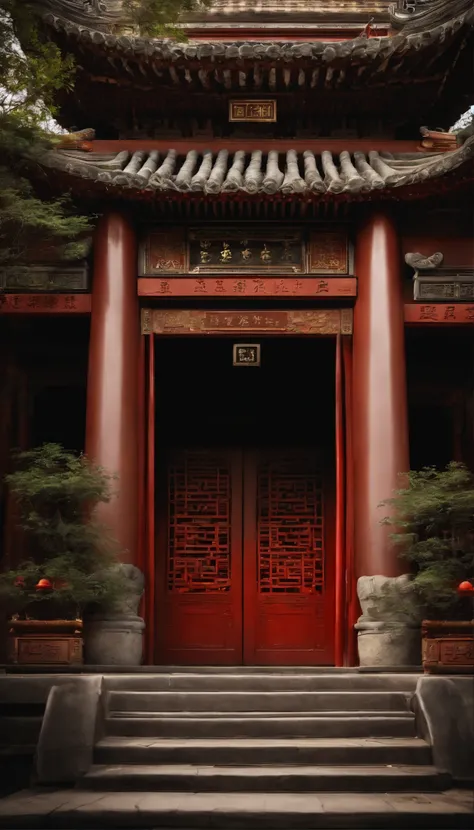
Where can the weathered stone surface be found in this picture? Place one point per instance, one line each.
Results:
(116, 642)
(115, 637)
(445, 710)
(388, 628)
(66, 741)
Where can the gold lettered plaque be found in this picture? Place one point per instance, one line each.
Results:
(263, 112)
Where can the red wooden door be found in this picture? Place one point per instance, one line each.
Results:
(199, 563)
(288, 559)
(245, 559)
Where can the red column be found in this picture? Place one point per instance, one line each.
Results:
(112, 389)
(380, 421)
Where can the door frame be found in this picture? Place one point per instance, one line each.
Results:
(334, 322)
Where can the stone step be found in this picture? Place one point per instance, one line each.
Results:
(245, 679)
(247, 751)
(218, 715)
(277, 778)
(329, 725)
(262, 701)
(78, 809)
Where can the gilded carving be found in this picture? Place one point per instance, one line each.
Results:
(236, 251)
(328, 253)
(322, 322)
(164, 252)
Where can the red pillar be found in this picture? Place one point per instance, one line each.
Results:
(380, 420)
(112, 389)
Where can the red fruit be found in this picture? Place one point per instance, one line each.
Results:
(44, 585)
(466, 587)
(20, 582)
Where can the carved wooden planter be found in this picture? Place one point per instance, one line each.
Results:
(45, 642)
(448, 647)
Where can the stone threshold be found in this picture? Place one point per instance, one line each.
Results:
(77, 809)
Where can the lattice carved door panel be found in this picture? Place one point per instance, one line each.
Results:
(201, 559)
(245, 561)
(288, 563)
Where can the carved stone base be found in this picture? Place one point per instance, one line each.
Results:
(115, 638)
(388, 629)
(114, 642)
(388, 646)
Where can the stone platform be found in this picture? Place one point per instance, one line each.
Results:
(252, 811)
(238, 748)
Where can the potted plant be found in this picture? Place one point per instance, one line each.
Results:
(73, 562)
(434, 520)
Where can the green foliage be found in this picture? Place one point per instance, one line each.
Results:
(434, 520)
(57, 493)
(29, 79)
(158, 18)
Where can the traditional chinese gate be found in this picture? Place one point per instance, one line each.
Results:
(248, 553)
(245, 558)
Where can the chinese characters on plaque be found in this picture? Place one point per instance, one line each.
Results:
(186, 322)
(241, 251)
(440, 313)
(45, 303)
(246, 354)
(248, 287)
(244, 249)
(253, 111)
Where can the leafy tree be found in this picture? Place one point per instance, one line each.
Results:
(30, 77)
(71, 553)
(159, 17)
(28, 82)
(434, 520)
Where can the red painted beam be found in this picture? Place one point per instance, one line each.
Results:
(320, 287)
(439, 314)
(317, 145)
(45, 303)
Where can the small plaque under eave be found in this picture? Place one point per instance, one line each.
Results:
(256, 112)
(246, 354)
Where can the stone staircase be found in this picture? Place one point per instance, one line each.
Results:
(202, 741)
(236, 748)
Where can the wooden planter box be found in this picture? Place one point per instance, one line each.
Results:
(448, 647)
(45, 642)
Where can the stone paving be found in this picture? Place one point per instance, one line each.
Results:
(78, 809)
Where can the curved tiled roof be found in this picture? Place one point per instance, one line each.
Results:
(252, 173)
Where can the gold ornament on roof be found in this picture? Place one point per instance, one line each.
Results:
(226, 253)
(266, 255)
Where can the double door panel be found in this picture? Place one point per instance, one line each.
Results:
(245, 558)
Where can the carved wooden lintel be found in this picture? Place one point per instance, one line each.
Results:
(45, 303)
(192, 322)
(439, 314)
(248, 287)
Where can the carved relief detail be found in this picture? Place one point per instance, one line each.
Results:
(164, 252)
(328, 253)
(186, 322)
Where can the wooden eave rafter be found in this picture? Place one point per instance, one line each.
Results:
(226, 65)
